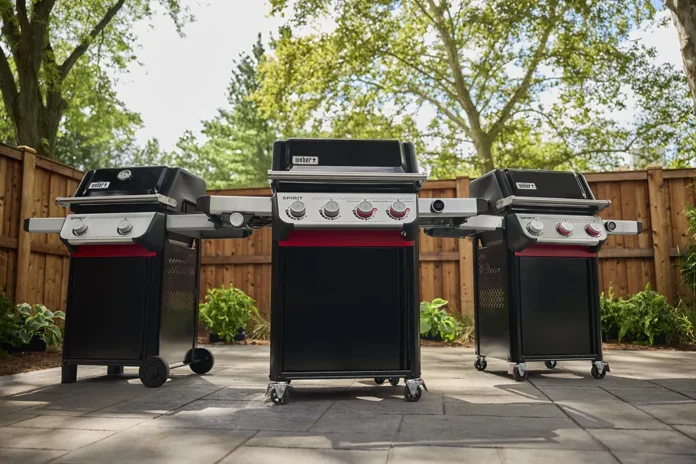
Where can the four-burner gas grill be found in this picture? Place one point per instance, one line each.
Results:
(345, 216)
(134, 241)
(536, 285)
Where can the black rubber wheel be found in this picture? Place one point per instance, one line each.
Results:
(394, 381)
(279, 400)
(413, 398)
(480, 364)
(517, 376)
(154, 371)
(380, 380)
(596, 374)
(204, 361)
(550, 364)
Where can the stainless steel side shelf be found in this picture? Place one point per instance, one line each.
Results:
(542, 201)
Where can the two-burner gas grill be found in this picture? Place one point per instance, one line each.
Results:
(346, 217)
(134, 241)
(536, 284)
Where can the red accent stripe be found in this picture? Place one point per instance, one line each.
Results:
(113, 251)
(345, 238)
(557, 251)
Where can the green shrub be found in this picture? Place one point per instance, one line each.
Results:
(39, 321)
(436, 323)
(258, 328)
(644, 318)
(226, 310)
(9, 323)
(688, 261)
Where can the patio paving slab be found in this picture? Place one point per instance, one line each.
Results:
(160, 446)
(257, 455)
(643, 411)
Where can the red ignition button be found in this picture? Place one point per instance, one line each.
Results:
(594, 229)
(398, 210)
(365, 210)
(565, 228)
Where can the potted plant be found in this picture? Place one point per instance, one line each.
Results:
(226, 312)
(436, 324)
(31, 328)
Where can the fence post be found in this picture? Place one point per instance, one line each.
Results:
(24, 239)
(659, 228)
(466, 259)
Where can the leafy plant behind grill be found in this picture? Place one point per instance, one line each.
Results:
(644, 318)
(436, 323)
(226, 310)
(259, 327)
(688, 261)
(38, 321)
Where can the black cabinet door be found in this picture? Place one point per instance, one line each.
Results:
(555, 306)
(343, 309)
(106, 308)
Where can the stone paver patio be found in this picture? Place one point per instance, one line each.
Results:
(643, 411)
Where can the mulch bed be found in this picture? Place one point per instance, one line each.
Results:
(29, 361)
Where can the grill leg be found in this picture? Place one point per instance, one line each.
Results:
(68, 374)
(114, 370)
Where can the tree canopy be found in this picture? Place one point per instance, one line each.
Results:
(56, 66)
(236, 146)
(528, 83)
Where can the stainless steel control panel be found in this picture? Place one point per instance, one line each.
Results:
(563, 229)
(82, 229)
(327, 210)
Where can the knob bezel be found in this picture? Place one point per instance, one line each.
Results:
(297, 209)
(331, 213)
(590, 229)
(367, 212)
(535, 228)
(565, 228)
(124, 227)
(398, 214)
(79, 228)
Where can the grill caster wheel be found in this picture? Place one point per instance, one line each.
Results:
(394, 381)
(517, 375)
(154, 371)
(480, 364)
(204, 361)
(596, 374)
(280, 399)
(380, 380)
(550, 364)
(413, 398)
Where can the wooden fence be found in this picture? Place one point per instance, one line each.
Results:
(34, 267)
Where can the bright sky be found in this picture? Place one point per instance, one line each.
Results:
(182, 81)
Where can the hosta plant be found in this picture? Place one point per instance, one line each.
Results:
(436, 323)
(39, 321)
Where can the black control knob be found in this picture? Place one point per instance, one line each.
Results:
(610, 226)
(437, 206)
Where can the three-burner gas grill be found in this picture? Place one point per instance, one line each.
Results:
(536, 284)
(134, 241)
(345, 216)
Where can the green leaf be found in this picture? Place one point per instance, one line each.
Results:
(59, 315)
(25, 336)
(24, 309)
(438, 303)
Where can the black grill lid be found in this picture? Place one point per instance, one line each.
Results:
(115, 185)
(344, 155)
(529, 185)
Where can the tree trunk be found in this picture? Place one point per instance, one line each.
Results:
(684, 17)
(484, 153)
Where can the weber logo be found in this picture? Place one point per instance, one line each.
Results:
(99, 185)
(305, 160)
(526, 185)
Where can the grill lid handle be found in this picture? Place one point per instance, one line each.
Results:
(514, 200)
(329, 177)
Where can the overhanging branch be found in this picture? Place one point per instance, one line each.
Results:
(82, 48)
